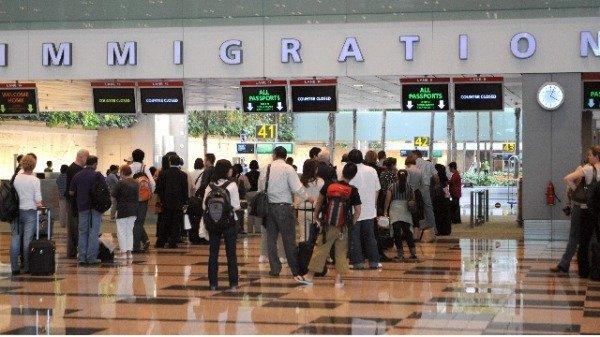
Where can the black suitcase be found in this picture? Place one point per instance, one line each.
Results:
(104, 254)
(42, 252)
(306, 248)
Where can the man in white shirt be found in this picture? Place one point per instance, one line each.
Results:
(363, 233)
(140, 237)
(428, 171)
(283, 183)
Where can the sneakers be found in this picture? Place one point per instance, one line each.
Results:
(263, 259)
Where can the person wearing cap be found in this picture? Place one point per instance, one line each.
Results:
(284, 183)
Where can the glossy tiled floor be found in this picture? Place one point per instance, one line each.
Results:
(458, 287)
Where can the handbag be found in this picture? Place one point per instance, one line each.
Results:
(259, 206)
(383, 222)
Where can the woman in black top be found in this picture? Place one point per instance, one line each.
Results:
(253, 176)
(441, 202)
(126, 193)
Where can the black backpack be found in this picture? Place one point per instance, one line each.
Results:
(99, 195)
(9, 202)
(218, 212)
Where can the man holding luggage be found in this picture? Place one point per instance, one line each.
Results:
(89, 218)
(72, 220)
(283, 183)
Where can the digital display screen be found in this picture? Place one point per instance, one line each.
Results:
(267, 148)
(162, 100)
(264, 99)
(591, 95)
(245, 148)
(425, 97)
(114, 100)
(314, 98)
(478, 96)
(18, 101)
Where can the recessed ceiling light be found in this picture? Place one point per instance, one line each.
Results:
(234, 87)
(357, 85)
(375, 91)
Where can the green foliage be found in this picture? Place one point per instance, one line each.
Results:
(486, 179)
(231, 123)
(88, 120)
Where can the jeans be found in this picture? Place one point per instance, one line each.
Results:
(230, 235)
(363, 234)
(113, 207)
(428, 208)
(72, 233)
(125, 233)
(571, 249)
(455, 210)
(281, 218)
(402, 233)
(22, 230)
(172, 222)
(89, 229)
(264, 246)
(63, 212)
(139, 233)
(195, 228)
(587, 228)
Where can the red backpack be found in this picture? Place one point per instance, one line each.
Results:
(338, 210)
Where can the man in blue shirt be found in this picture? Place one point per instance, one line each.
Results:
(89, 219)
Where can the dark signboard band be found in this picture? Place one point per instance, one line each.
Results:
(158, 100)
(591, 95)
(18, 101)
(314, 98)
(114, 100)
(478, 96)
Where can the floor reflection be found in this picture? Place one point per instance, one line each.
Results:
(462, 286)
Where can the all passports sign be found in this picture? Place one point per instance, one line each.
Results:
(425, 94)
(264, 96)
(591, 91)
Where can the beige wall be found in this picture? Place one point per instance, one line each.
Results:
(114, 145)
(57, 144)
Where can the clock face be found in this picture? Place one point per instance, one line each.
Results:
(550, 96)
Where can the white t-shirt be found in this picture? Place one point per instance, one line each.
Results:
(29, 189)
(588, 172)
(313, 190)
(367, 183)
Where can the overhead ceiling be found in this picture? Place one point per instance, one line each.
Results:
(37, 14)
(362, 93)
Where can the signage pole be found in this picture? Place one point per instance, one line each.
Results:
(449, 135)
(205, 131)
(477, 154)
(431, 129)
(383, 122)
(517, 139)
(491, 142)
(354, 131)
(331, 144)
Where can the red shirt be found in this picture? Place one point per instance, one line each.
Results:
(455, 185)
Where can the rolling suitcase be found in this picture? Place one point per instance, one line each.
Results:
(306, 247)
(42, 252)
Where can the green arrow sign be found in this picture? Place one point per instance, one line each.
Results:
(2, 108)
(30, 107)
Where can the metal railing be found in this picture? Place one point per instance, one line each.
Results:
(480, 207)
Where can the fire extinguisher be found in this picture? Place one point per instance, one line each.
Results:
(551, 196)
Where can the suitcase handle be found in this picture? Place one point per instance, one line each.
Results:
(38, 217)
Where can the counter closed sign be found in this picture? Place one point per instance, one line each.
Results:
(314, 98)
(425, 97)
(17, 101)
(591, 95)
(478, 96)
(162, 100)
(264, 99)
(114, 100)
